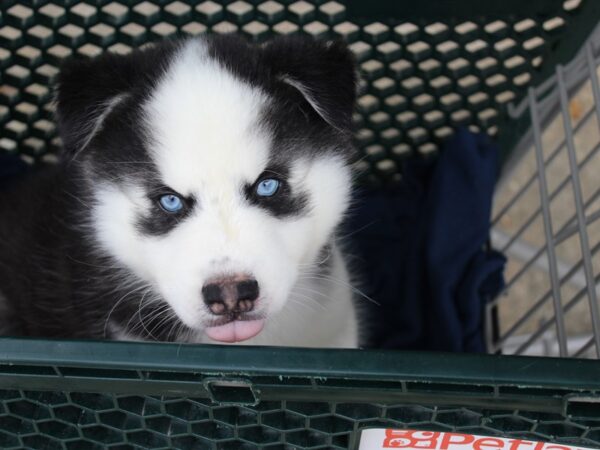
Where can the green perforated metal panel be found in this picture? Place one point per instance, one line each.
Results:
(133, 396)
(427, 66)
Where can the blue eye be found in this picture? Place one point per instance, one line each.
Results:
(171, 203)
(267, 187)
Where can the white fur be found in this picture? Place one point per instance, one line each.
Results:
(208, 143)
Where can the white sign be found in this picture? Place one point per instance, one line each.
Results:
(382, 439)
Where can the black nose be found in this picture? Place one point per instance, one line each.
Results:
(232, 295)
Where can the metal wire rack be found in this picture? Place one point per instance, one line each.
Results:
(551, 306)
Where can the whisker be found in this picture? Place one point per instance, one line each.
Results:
(340, 283)
(311, 291)
(115, 306)
(91, 265)
(353, 232)
(139, 312)
(73, 196)
(167, 314)
(312, 302)
(297, 301)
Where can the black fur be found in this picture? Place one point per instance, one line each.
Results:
(86, 85)
(54, 280)
(159, 221)
(284, 203)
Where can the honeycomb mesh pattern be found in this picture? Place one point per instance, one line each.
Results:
(421, 78)
(117, 395)
(72, 420)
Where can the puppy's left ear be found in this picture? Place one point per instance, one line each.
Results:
(323, 72)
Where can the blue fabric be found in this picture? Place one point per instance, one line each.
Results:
(422, 250)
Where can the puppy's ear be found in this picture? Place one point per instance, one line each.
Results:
(88, 90)
(323, 72)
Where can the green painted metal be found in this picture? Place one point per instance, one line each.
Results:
(150, 395)
(427, 66)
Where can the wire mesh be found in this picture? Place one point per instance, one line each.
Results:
(424, 70)
(550, 305)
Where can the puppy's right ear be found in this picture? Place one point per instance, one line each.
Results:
(90, 89)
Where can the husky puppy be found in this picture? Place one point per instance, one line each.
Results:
(197, 199)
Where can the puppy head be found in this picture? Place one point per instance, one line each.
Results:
(217, 170)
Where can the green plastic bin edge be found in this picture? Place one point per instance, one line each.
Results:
(544, 384)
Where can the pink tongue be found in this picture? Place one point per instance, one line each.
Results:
(238, 330)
